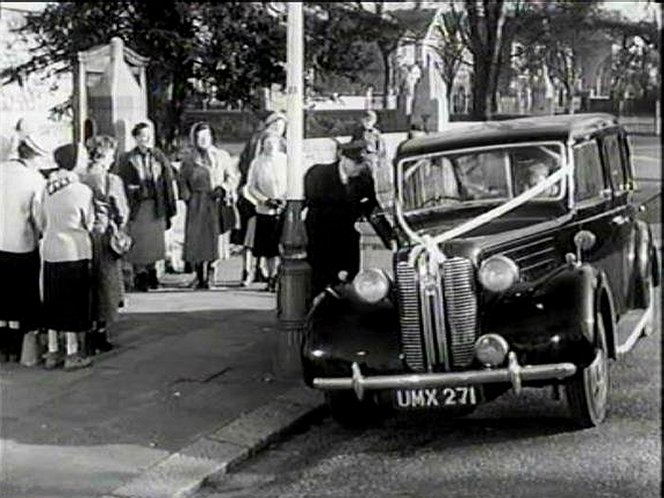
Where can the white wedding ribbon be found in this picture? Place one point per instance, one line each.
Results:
(430, 245)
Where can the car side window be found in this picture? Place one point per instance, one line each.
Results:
(588, 175)
(614, 160)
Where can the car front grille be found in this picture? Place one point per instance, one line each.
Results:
(460, 308)
(409, 316)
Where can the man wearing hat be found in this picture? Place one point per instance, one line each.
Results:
(21, 188)
(336, 196)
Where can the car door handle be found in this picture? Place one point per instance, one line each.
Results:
(619, 220)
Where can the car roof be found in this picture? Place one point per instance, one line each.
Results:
(536, 128)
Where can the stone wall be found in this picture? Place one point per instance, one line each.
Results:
(237, 126)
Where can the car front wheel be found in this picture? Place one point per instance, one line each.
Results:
(588, 391)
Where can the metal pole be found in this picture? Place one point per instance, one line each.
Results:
(294, 282)
(294, 82)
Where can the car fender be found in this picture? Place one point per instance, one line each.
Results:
(341, 330)
(553, 319)
(647, 255)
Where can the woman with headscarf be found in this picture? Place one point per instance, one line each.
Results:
(111, 213)
(274, 123)
(67, 218)
(207, 179)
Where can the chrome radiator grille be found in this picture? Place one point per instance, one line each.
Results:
(460, 310)
(461, 307)
(409, 316)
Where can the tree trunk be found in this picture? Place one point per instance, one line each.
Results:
(486, 21)
(569, 98)
(448, 93)
(386, 73)
(480, 90)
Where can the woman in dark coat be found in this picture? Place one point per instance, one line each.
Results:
(111, 212)
(148, 180)
(207, 180)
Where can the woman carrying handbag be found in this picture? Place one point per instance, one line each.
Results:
(109, 238)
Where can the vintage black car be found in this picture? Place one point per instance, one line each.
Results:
(519, 260)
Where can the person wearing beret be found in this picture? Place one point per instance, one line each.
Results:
(336, 196)
(21, 190)
(148, 181)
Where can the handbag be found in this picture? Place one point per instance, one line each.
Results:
(118, 240)
(229, 217)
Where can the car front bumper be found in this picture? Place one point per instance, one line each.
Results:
(513, 373)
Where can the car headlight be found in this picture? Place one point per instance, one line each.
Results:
(371, 285)
(498, 273)
(491, 350)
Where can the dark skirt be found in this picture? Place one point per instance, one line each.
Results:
(147, 231)
(201, 231)
(268, 235)
(67, 295)
(19, 289)
(246, 211)
(108, 285)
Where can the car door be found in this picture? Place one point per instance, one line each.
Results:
(623, 221)
(594, 211)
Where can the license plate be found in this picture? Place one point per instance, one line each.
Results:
(436, 397)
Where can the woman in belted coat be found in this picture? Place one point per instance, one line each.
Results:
(148, 180)
(111, 210)
(208, 180)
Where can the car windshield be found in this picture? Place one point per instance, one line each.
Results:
(490, 174)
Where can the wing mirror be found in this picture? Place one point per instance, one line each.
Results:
(584, 240)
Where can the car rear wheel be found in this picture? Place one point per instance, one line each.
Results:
(350, 412)
(588, 391)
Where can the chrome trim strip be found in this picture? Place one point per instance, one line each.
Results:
(440, 330)
(427, 295)
(515, 374)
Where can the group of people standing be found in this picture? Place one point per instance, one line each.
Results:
(61, 210)
(59, 272)
(62, 272)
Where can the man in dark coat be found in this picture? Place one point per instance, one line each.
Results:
(336, 196)
(148, 181)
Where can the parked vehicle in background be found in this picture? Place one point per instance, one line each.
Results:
(519, 260)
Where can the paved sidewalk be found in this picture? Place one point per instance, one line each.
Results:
(190, 390)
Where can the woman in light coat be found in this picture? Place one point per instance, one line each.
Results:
(267, 184)
(67, 218)
(111, 213)
(21, 189)
(208, 179)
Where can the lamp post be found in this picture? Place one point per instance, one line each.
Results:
(294, 283)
